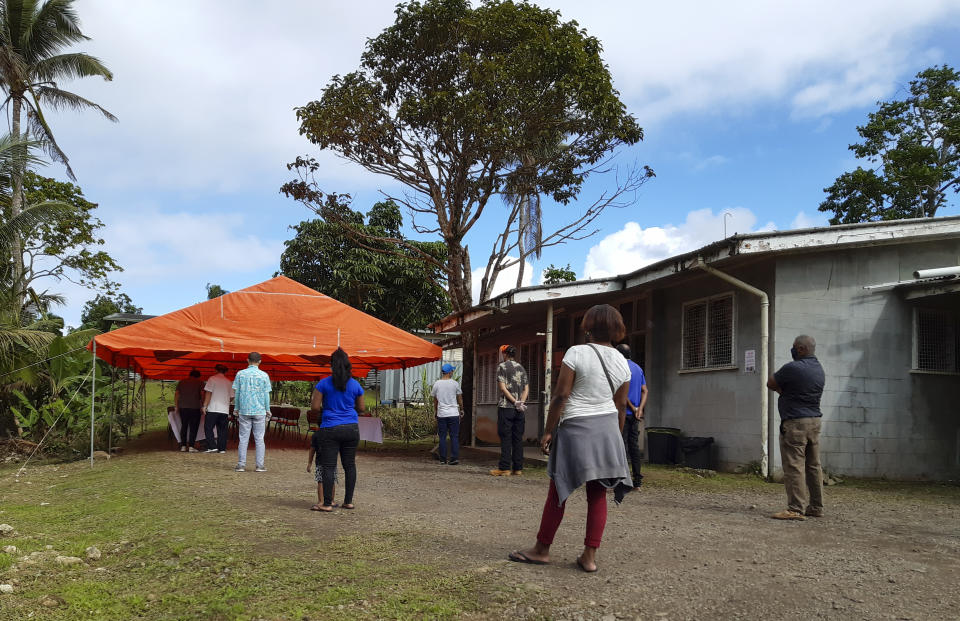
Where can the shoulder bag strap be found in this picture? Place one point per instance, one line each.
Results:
(603, 364)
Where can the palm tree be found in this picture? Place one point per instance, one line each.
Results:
(33, 35)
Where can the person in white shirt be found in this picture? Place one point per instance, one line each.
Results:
(582, 435)
(448, 404)
(217, 393)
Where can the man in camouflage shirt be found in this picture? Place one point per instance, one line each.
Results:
(514, 388)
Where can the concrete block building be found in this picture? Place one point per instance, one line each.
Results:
(881, 299)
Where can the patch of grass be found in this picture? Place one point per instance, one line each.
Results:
(167, 554)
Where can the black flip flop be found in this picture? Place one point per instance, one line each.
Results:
(520, 557)
(581, 566)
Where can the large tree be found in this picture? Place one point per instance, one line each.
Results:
(68, 246)
(401, 291)
(34, 37)
(453, 102)
(94, 313)
(912, 146)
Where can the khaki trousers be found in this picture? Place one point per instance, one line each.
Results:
(800, 455)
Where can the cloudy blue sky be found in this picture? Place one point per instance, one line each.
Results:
(748, 108)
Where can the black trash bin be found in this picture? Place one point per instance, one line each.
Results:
(663, 445)
(696, 452)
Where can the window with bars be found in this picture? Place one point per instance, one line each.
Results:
(531, 359)
(707, 340)
(487, 378)
(936, 338)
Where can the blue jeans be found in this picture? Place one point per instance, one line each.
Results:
(258, 424)
(451, 425)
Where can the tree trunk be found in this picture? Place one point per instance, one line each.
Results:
(16, 206)
(459, 287)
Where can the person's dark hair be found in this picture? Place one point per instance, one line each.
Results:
(624, 349)
(253, 357)
(510, 351)
(341, 367)
(220, 368)
(194, 373)
(604, 323)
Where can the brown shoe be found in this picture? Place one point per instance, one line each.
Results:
(811, 512)
(516, 473)
(500, 473)
(788, 515)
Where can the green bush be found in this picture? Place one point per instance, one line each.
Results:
(420, 422)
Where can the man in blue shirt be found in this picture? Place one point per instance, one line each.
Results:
(800, 385)
(252, 406)
(633, 424)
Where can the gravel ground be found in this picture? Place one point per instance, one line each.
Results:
(668, 553)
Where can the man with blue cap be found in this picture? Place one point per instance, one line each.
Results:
(448, 405)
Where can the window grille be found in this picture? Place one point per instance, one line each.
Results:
(708, 333)
(936, 339)
(531, 359)
(487, 374)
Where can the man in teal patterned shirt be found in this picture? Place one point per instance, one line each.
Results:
(252, 406)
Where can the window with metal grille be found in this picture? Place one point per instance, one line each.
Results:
(487, 375)
(936, 340)
(708, 333)
(531, 359)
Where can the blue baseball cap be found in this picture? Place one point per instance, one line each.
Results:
(447, 368)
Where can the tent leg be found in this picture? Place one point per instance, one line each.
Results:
(93, 397)
(403, 375)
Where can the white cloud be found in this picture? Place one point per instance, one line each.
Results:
(803, 221)
(205, 91)
(161, 245)
(819, 56)
(633, 246)
(506, 280)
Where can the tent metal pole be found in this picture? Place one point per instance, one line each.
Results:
(403, 372)
(93, 396)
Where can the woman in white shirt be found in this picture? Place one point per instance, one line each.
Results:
(583, 435)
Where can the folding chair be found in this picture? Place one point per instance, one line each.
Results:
(279, 418)
(291, 418)
(313, 422)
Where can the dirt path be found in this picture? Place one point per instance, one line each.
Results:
(668, 553)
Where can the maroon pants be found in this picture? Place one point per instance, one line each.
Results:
(596, 515)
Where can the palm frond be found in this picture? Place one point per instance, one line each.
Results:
(52, 26)
(70, 66)
(31, 217)
(59, 99)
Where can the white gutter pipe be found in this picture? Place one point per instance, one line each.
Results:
(548, 369)
(766, 440)
(938, 272)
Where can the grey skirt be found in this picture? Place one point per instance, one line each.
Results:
(589, 448)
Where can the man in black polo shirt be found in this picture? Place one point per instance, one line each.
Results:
(800, 384)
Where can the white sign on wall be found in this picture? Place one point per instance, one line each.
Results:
(750, 361)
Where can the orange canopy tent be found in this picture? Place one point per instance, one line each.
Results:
(294, 328)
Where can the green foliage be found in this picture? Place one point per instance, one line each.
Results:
(913, 145)
(379, 278)
(71, 239)
(554, 275)
(410, 423)
(94, 311)
(215, 291)
(35, 33)
(453, 100)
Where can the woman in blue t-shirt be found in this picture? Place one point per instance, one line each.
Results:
(340, 397)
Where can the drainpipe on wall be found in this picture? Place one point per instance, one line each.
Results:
(765, 439)
(547, 371)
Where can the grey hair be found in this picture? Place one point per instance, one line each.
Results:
(808, 342)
